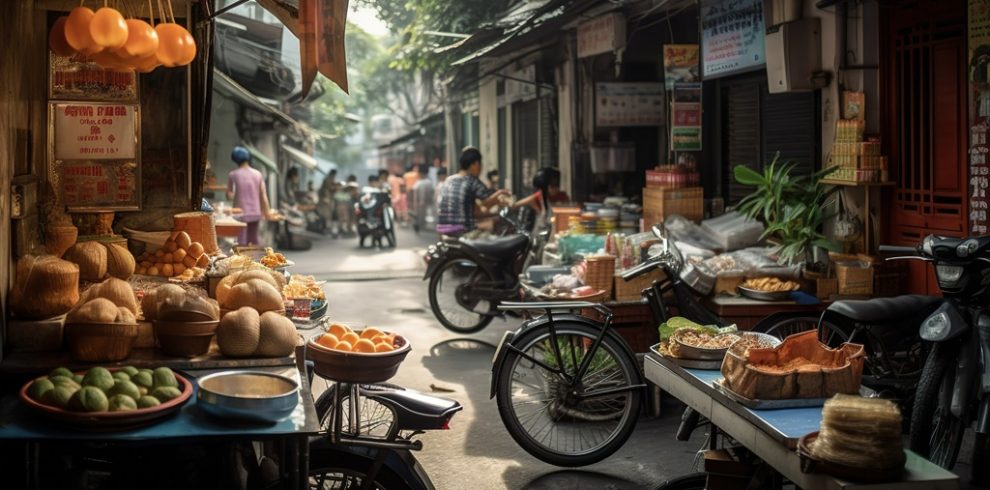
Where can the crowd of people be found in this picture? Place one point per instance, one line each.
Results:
(422, 197)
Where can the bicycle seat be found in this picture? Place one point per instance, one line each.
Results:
(883, 310)
(415, 410)
(498, 247)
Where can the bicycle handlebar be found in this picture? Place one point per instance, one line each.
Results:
(640, 269)
(895, 249)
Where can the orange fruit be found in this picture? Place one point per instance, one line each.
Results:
(338, 330)
(350, 337)
(77, 31)
(142, 39)
(364, 345)
(327, 340)
(344, 346)
(108, 28)
(383, 347)
(174, 44)
(56, 38)
(370, 333)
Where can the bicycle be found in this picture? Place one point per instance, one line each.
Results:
(369, 435)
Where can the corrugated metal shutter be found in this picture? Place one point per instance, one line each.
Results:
(790, 126)
(742, 130)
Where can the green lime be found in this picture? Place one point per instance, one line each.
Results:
(148, 402)
(59, 397)
(165, 377)
(125, 388)
(89, 399)
(121, 376)
(120, 403)
(98, 377)
(38, 389)
(165, 393)
(143, 380)
(130, 370)
(60, 372)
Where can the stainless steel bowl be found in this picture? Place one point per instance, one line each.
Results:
(248, 395)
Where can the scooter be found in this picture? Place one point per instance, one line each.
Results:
(468, 278)
(375, 218)
(953, 391)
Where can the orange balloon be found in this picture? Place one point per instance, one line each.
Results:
(56, 38)
(173, 44)
(142, 39)
(148, 64)
(77, 31)
(108, 28)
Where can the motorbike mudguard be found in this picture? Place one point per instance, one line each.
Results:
(512, 339)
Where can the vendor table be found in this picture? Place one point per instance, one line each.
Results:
(746, 312)
(772, 435)
(189, 425)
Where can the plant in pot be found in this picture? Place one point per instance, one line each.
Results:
(793, 207)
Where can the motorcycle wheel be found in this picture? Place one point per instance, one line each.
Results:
(447, 288)
(935, 433)
(390, 238)
(336, 469)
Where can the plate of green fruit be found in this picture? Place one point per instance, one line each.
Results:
(107, 399)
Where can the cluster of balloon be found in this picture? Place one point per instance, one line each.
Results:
(113, 42)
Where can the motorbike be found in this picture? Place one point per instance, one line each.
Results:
(953, 391)
(468, 278)
(375, 218)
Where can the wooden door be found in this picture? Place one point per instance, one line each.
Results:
(924, 124)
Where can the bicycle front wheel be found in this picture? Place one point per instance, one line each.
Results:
(560, 421)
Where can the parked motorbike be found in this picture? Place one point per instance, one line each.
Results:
(375, 218)
(953, 391)
(468, 278)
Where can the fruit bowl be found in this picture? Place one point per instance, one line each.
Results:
(357, 367)
(110, 421)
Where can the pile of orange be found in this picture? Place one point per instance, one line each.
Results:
(342, 338)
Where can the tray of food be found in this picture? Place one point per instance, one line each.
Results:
(107, 399)
(719, 385)
(662, 350)
(357, 356)
(701, 345)
(768, 288)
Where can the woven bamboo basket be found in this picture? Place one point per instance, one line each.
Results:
(632, 290)
(200, 228)
(600, 273)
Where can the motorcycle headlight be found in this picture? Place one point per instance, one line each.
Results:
(935, 327)
(948, 274)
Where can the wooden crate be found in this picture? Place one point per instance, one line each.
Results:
(853, 280)
(659, 203)
(632, 290)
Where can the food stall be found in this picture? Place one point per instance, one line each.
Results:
(794, 404)
(127, 326)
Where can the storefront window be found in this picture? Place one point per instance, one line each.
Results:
(526, 145)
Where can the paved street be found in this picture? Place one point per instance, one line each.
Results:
(477, 452)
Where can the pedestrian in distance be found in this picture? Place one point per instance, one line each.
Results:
(462, 194)
(423, 199)
(246, 188)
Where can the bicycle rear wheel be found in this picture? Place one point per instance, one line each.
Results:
(377, 420)
(546, 414)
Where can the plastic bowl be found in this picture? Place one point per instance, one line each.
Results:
(248, 395)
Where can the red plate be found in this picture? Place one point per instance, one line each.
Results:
(111, 421)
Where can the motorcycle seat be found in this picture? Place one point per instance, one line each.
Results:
(417, 411)
(883, 310)
(498, 247)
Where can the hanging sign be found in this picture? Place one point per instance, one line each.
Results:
(95, 130)
(732, 35)
(685, 128)
(680, 64)
(979, 117)
(629, 104)
(97, 184)
(76, 79)
(603, 34)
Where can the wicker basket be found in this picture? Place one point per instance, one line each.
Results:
(632, 290)
(200, 228)
(100, 342)
(357, 367)
(600, 273)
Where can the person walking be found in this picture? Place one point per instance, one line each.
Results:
(494, 181)
(246, 188)
(423, 199)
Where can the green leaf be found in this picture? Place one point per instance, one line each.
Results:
(747, 176)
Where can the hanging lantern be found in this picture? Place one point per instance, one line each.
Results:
(108, 28)
(148, 63)
(56, 38)
(77, 31)
(173, 44)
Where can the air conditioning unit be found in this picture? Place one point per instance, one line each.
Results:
(794, 54)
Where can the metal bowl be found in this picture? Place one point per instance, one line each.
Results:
(765, 295)
(248, 395)
(688, 351)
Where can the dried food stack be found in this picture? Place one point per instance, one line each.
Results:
(861, 433)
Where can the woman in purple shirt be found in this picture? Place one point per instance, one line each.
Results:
(246, 187)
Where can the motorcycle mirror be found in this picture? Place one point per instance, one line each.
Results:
(504, 212)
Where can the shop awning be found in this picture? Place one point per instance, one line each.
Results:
(301, 157)
(230, 88)
(258, 156)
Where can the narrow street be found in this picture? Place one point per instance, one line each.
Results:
(385, 289)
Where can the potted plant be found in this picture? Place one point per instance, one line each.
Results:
(793, 207)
